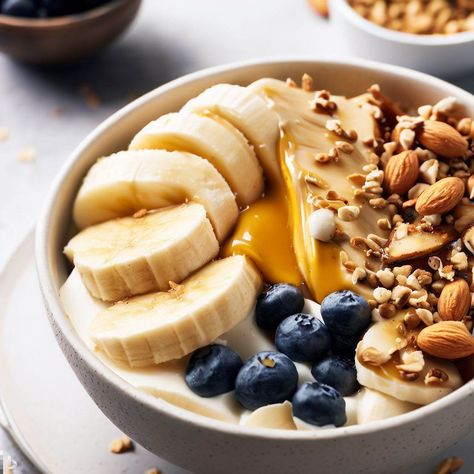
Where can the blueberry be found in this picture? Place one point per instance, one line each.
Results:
(345, 313)
(303, 338)
(23, 8)
(319, 404)
(212, 370)
(266, 378)
(345, 345)
(276, 303)
(337, 372)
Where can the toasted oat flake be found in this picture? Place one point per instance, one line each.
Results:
(413, 362)
(121, 445)
(450, 466)
(27, 155)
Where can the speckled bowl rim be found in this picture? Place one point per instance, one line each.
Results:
(52, 302)
(398, 36)
(64, 20)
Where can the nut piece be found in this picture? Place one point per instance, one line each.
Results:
(442, 139)
(320, 6)
(373, 356)
(440, 197)
(401, 172)
(417, 244)
(468, 238)
(436, 376)
(446, 340)
(454, 301)
(449, 466)
(121, 445)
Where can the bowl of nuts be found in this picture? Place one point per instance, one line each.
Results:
(59, 31)
(434, 36)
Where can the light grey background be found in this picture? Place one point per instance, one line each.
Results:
(169, 38)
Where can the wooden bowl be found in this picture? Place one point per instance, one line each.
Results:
(67, 38)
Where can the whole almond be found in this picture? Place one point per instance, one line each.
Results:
(442, 139)
(447, 340)
(454, 301)
(440, 197)
(401, 172)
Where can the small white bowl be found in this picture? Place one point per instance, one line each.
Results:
(209, 446)
(442, 55)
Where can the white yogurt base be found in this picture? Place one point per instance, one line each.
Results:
(167, 380)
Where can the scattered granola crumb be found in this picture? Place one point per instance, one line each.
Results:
(91, 98)
(4, 134)
(449, 466)
(121, 445)
(153, 470)
(57, 111)
(27, 155)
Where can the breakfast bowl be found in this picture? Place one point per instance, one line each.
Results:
(66, 38)
(443, 55)
(199, 443)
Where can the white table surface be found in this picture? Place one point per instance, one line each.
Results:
(169, 38)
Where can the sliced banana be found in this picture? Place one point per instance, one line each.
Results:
(135, 255)
(278, 416)
(212, 138)
(247, 112)
(159, 327)
(165, 381)
(374, 406)
(382, 336)
(128, 181)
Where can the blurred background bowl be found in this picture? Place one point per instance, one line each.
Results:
(66, 38)
(442, 55)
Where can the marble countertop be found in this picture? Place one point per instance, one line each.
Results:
(46, 112)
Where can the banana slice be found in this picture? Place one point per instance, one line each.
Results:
(386, 379)
(165, 380)
(249, 113)
(134, 255)
(123, 183)
(212, 138)
(278, 416)
(158, 327)
(374, 406)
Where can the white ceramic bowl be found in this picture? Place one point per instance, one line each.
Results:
(442, 55)
(204, 445)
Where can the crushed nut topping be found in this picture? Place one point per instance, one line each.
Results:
(435, 377)
(373, 356)
(121, 445)
(449, 466)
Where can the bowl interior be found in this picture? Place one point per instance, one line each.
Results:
(346, 78)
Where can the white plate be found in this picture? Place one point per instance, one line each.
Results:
(49, 413)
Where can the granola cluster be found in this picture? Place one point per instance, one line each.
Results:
(421, 17)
